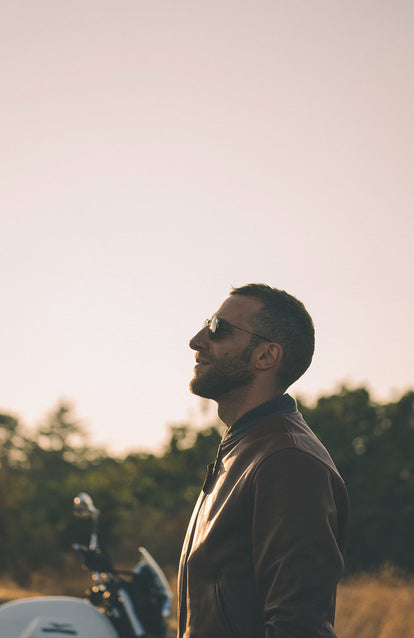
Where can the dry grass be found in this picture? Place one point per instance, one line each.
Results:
(71, 580)
(380, 606)
(9, 590)
(376, 607)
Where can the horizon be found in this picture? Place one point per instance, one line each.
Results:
(204, 417)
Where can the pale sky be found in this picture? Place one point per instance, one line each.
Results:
(154, 154)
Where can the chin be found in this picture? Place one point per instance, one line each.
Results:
(197, 388)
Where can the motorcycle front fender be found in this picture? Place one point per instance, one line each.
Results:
(55, 617)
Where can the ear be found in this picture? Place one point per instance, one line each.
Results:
(269, 356)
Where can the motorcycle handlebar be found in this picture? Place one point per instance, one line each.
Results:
(95, 559)
(80, 548)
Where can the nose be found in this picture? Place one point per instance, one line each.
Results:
(200, 341)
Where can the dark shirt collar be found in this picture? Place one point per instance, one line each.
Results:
(283, 404)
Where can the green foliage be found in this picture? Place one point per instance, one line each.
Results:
(147, 499)
(372, 446)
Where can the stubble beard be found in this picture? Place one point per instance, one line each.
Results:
(222, 376)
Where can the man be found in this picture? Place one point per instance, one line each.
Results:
(265, 545)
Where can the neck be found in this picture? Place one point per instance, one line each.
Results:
(234, 404)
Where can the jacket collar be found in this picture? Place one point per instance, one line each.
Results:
(283, 404)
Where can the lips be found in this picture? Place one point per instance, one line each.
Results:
(201, 363)
(199, 366)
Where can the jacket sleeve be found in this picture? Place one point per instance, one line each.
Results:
(296, 556)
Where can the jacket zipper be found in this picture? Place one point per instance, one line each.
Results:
(211, 472)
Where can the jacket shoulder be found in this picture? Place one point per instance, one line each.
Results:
(282, 434)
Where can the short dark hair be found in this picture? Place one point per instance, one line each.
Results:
(285, 320)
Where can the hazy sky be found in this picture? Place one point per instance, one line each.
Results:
(154, 154)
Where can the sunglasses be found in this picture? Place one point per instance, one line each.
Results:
(217, 328)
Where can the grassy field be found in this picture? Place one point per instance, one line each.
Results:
(375, 607)
(380, 606)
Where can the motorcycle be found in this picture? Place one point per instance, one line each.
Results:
(119, 603)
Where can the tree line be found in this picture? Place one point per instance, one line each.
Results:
(147, 499)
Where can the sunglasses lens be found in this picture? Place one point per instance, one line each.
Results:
(214, 324)
(211, 324)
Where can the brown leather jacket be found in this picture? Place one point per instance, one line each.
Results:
(265, 545)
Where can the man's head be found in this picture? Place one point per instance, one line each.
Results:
(259, 332)
(285, 320)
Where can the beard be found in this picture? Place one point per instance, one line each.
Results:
(223, 375)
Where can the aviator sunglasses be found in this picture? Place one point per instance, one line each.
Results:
(217, 327)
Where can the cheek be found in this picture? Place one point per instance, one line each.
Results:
(224, 355)
(220, 351)
(227, 351)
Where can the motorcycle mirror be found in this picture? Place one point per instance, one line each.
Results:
(83, 506)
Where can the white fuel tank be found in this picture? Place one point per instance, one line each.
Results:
(53, 617)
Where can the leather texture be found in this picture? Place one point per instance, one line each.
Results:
(265, 546)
